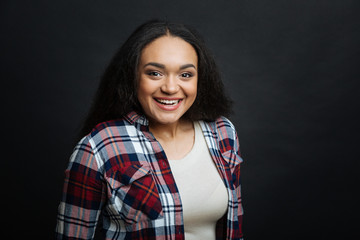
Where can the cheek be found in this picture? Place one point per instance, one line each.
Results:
(143, 90)
(143, 99)
(141, 96)
(192, 89)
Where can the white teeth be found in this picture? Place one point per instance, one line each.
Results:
(167, 102)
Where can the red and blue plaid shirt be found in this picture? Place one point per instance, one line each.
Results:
(121, 171)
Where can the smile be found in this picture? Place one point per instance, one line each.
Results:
(167, 102)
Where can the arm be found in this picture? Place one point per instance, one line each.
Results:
(230, 149)
(83, 195)
(237, 183)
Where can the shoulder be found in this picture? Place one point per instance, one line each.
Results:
(105, 131)
(105, 137)
(225, 124)
(110, 139)
(222, 128)
(222, 132)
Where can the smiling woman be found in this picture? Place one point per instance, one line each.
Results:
(157, 158)
(167, 79)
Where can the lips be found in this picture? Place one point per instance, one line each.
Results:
(168, 104)
(167, 101)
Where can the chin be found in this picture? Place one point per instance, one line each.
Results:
(166, 119)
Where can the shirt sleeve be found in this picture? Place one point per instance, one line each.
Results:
(237, 182)
(230, 149)
(236, 171)
(83, 195)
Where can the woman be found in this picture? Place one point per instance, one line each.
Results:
(159, 160)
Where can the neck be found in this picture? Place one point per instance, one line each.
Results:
(171, 130)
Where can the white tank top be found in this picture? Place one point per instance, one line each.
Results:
(203, 194)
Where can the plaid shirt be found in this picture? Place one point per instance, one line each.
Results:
(121, 171)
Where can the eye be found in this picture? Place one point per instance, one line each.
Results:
(154, 74)
(186, 75)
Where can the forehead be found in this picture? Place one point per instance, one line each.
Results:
(167, 50)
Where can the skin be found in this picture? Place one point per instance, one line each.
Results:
(168, 76)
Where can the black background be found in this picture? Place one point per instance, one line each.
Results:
(291, 67)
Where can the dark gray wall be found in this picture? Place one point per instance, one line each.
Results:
(291, 67)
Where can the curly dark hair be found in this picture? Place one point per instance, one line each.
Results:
(117, 93)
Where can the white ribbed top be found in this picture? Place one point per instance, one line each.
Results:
(203, 194)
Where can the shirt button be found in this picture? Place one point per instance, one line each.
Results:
(163, 163)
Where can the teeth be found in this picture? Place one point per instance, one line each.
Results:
(168, 102)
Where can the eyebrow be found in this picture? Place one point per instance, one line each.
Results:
(162, 66)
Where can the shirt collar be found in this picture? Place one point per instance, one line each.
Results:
(133, 118)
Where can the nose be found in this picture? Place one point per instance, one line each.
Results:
(170, 85)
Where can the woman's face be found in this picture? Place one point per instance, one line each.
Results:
(168, 75)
